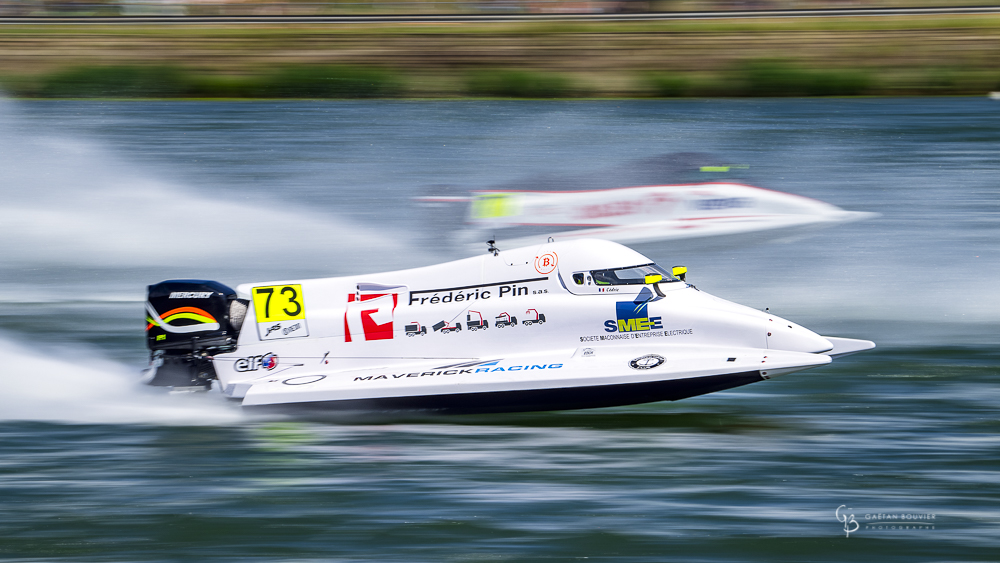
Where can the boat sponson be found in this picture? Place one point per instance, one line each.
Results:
(595, 396)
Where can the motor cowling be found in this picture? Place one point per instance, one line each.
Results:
(187, 321)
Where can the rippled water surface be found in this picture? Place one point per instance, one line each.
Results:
(101, 199)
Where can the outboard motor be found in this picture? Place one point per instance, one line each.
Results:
(188, 321)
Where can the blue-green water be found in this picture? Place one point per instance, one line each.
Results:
(103, 198)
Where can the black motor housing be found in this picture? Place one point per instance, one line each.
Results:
(187, 321)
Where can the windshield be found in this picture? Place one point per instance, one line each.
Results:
(648, 273)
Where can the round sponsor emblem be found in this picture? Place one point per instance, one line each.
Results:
(304, 379)
(269, 361)
(546, 263)
(649, 361)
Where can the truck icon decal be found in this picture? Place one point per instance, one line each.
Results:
(539, 318)
(415, 329)
(445, 327)
(477, 322)
(504, 319)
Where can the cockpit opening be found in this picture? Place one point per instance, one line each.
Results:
(632, 275)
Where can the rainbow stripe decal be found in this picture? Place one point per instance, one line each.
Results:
(204, 321)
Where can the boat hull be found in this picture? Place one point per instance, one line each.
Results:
(595, 396)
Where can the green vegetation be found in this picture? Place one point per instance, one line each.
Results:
(870, 56)
(669, 85)
(518, 84)
(110, 82)
(299, 81)
(776, 78)
(763, 78)
(951, 81)
(759, 78)
(328, 82)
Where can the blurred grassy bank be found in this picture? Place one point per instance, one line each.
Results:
(792, 57)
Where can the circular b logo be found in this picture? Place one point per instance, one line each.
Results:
(649, 361)
(546, 263)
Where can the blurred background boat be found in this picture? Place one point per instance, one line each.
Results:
(554, 207)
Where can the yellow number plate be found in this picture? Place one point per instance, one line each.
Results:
(278, 303)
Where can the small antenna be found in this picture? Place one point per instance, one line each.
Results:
(491, 247)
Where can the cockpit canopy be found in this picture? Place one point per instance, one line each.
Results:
(594, 266)
(631, 275)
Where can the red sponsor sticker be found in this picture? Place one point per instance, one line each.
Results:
(546, 263)
(369, 316)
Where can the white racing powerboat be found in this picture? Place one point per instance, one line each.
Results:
(643, 214)
(562, 325)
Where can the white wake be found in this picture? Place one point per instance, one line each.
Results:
(76, 385)
(69, 201)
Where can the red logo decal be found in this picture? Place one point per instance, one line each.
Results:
(369, 316)
(546, 263)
